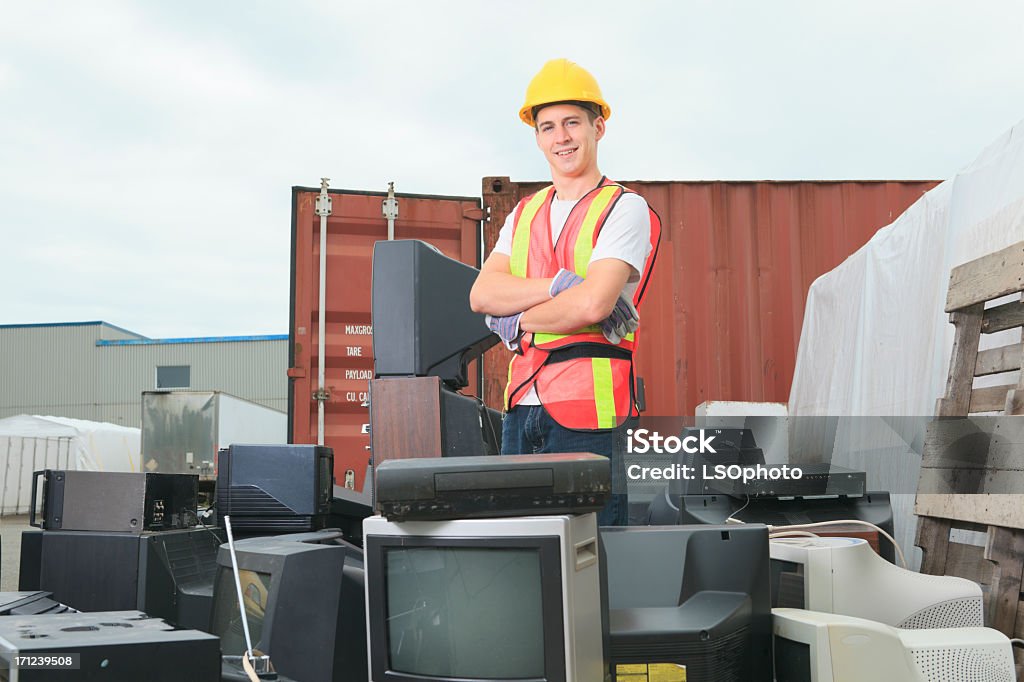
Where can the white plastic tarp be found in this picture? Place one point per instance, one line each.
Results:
(32, 443)
(876, 340)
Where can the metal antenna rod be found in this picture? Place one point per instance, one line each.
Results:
(238, 587)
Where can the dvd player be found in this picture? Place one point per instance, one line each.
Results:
(479, 487)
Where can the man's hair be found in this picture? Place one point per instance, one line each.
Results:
(593, 111)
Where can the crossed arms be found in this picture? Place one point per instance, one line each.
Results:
(498, 292)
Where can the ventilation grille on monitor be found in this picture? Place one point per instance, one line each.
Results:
(955, 613)
(192, 558)
(725, 660)
(286, 523)
(963, 664)
(249, 499)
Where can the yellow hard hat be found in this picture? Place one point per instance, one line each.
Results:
(561, 81)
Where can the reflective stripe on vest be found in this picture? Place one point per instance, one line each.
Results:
(584, 246)
(521, 237)
(604, 395)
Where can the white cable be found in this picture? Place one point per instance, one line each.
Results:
(792, 533)
(899, 552)
(730, 518)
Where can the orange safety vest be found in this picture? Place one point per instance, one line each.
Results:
(583, 381)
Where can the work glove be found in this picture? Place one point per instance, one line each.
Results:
(623, 320)
(507, 329)
(565, 279)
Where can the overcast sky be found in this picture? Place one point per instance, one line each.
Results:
(148, 150)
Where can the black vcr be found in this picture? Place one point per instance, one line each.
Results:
(437, 488)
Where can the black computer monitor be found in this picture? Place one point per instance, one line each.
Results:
(690, 596)
(422, 323)
(516, 599)
(303, 596)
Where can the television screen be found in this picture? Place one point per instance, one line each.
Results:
(514, 599)
(448, 607)
(227, 621)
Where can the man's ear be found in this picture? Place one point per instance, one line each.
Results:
(599, 127)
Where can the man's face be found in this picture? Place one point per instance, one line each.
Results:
(568, 139)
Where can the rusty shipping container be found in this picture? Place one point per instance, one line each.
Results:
(721, 320)
(452, 224)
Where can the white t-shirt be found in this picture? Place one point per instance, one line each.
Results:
(625, 235)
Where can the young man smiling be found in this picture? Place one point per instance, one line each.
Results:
(562, 285)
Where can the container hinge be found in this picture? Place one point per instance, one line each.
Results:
(323, 200)
(476, 213)
(389, 207)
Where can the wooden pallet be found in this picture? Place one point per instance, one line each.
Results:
(992, 556)
(970, 500)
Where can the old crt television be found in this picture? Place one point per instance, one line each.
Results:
(303, 596)
(515, 599)
(693, 596)
(811, 646)
(275, 488)
(845, 576)
(422, 324)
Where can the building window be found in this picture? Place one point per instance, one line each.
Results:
(173, 376)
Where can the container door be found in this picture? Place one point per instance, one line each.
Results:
(356, 221)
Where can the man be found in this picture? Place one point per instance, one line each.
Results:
(560, 288)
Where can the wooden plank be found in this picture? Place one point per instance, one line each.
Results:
(968, 481)
(1006, 549)
(933, 539)
(977, 442)
(1018, 652)
(1000, 317)
(1014, 404)
(996, 360)
(962, 361)
(1001, 510)
(1015, 400)
(968, 561)
(989, 399)
(985, 278)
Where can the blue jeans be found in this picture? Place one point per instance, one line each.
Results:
(530, 430)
